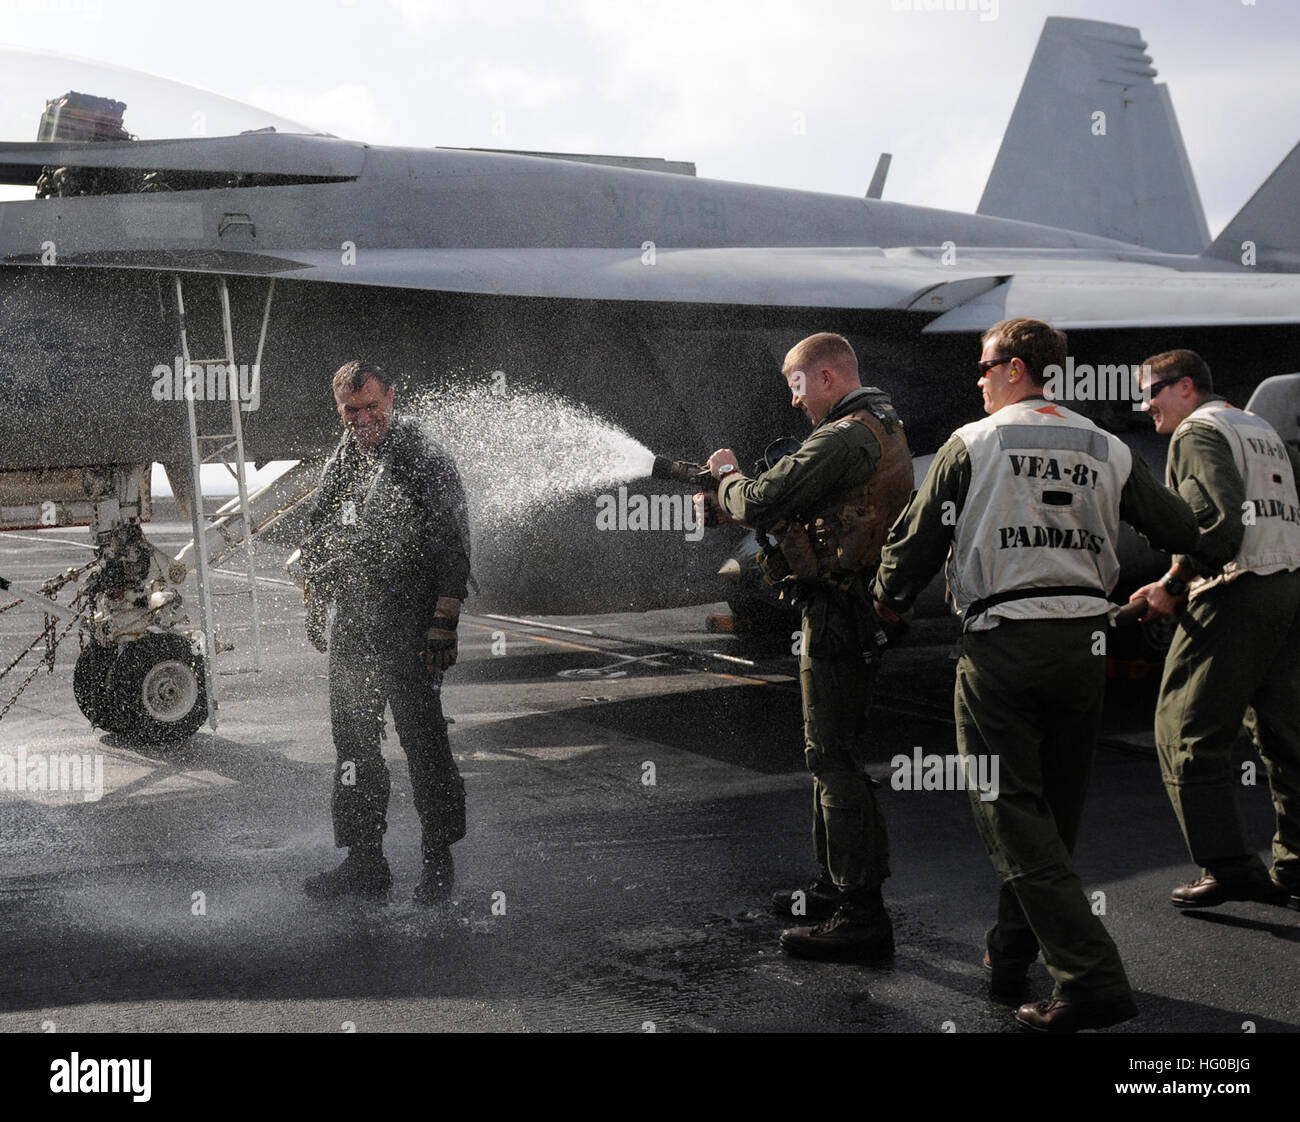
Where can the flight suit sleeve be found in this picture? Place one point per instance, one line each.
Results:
(830, 460)
(920, 539)
(325, 500)
(446, 528)
(322, 518)
(1205, 475)
(321, 499)
(1160, 515)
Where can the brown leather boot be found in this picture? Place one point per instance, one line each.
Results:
(814, 901)
(859, 931)
(1056, 1016)
(1208, 892)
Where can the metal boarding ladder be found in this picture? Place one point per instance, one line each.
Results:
(209, 447)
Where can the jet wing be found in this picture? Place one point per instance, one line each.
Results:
(1131, 298)
(781, 277)
(1071, 293)
(773, 277)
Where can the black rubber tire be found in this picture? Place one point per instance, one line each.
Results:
(90, 682)
(155, 692)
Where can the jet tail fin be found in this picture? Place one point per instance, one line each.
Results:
(1093, 144)
(1264, 232)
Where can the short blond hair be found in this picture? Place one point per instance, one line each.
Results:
(824, 349)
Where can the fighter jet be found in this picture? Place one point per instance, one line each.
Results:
(661, 300)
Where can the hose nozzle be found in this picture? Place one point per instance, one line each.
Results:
(683, 471)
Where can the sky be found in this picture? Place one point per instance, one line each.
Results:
(792, 93)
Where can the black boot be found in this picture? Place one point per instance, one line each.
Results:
(814, 901)
(859, 931)
(364, 872)
(437, 876)
(1008, 979)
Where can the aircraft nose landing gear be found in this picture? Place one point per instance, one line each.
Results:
(138, 674)
(155, 691)
(151, 692)
(90, 681)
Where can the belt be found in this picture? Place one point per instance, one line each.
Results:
(979, 607)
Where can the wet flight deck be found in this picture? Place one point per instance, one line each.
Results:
(633, 800)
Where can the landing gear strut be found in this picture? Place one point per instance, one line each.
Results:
(138, 674)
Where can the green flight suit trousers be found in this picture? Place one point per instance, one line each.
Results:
(849, 837)
(1235, 655)
(1030, 692)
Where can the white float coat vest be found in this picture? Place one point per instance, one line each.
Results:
(1271, 543)
(1042, 512)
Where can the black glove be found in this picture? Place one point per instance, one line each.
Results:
(440, 645)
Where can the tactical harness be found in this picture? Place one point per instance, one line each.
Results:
(845, 534)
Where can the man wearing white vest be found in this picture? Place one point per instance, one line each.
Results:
(1025, 506)
(1236, 652)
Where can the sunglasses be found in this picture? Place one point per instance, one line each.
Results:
(1155, 387)
(988, 364)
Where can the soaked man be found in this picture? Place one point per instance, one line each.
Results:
(1236, 651)
(827, 508)
(1025, 507)
(389, 545)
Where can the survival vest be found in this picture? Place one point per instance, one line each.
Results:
(1271, 542)
(844, 534)
(372, 536)
(1036, 536)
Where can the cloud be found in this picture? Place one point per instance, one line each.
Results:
(517, 87)
(792, 94)
(421, 16)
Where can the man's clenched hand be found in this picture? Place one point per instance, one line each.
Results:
(723, 461)
(440, 643)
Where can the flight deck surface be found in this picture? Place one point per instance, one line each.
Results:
(625, 831)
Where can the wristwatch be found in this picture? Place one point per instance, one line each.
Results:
(725, 468)
(1173, 585)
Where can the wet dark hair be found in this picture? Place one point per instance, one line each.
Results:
(1181, 364)
(356, 373)
(1037, 344)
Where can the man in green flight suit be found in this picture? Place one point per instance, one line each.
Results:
(1025, 506)
(1236, 651)
(826, 509)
